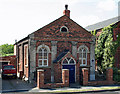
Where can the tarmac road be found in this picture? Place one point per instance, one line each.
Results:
(11, 84)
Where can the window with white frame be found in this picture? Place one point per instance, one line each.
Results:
(43, 57)
(64, 29)
(68, 61)
(83, 56)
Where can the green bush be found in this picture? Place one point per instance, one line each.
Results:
(116, 74)
(116, 78)
(119, 71)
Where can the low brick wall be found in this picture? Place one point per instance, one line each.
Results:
(41, 84)
(108, 81)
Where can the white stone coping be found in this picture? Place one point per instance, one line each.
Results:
(85, 68)
(65, 69)
(40, 70)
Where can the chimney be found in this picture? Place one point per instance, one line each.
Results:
(66, 11)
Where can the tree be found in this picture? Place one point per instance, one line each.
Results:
(6, 49)
(105, 48)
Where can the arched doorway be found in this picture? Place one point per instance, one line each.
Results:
(69, 63)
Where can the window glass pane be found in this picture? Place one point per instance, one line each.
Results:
(80, 61)
(84, 55)
(45, 62)
(84, 50)
(45, 50)
(84, 62)
(45, 55)
(40, 62)
(80, 54)
(71, 61)
(40, 51)
(65, 61)
(40, 55)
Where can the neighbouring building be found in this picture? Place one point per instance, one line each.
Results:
(116, 31)
(62, 44)
(8, 60)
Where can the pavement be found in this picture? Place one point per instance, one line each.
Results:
(17, 85)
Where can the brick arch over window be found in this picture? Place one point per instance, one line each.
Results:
(83, 54)
(43, 53)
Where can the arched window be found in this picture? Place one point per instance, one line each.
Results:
(64, 29)
(43, 57)
(68, 61)
(83, 50)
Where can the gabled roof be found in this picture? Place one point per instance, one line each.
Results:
(60, 56)
(52, 30)
(103, 24)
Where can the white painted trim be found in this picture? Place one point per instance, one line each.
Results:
(43, 45)
(64, 27)
(5, 61)
(87, 51)
(40, 70)
(83, 46)
(69, 61)
(48, 51)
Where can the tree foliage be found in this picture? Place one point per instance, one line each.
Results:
(105, 48)
(6, 49)
(94, 32)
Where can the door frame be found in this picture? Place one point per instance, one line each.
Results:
(70, 64)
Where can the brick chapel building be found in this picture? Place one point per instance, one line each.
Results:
(62, 44)
(116, 31)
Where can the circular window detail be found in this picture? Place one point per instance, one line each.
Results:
(64, 29)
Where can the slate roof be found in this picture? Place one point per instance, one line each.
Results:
(61, 55)
(103, 24)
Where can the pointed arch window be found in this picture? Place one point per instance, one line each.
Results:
(83, 56)
(67, 61)
(43, 57)
(64, 29)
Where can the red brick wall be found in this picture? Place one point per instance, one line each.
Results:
(52, 30)
(47, 74)
(58, 72)
(41, 84)
(117, 58)
(61, 46)
(116, 31)
(108, 81)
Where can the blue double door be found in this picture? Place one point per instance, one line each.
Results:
(71, 72)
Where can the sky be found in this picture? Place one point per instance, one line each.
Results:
(19, 18)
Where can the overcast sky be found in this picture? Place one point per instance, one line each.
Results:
(18, 18)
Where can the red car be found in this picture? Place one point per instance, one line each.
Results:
(9, 71)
